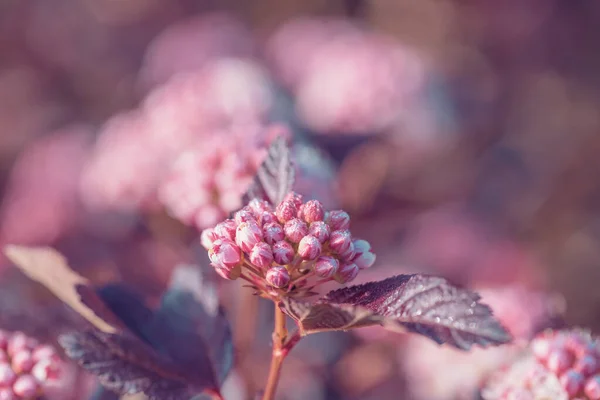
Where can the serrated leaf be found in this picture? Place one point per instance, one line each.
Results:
(48, 267)
(122, 364)
(275, 177)
(321, 317)
(423, 304)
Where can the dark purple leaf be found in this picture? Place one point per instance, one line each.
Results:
(423, 304)
(275, 177)
(124, 365)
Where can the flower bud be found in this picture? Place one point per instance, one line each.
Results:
(207, 237)
(17, 342)
(340, 241)
(363, 257)
(326, 266)
(559, 360)
(247, 235)
(225, 253)
(26, 386)
(267, 218)
(320, 230)
(338, 220)
(572, 382)
(7, 375)
(346, 273)
(309, 247)
(45, 370)
(283, 252)
(541, 347)
(286, 211)
(7, 394)
(587, 365)
(244, 215)
(4, 336)
(259, 206)
(22, 361)
(312, 211)
(592, 388)
(295, 229)
(44, 352)
(230, 273)
(278, 276)
(261, 255)
(273, 232)
(226, 229)
(294, 198)
(348, 254)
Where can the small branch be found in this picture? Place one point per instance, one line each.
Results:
(280, 351)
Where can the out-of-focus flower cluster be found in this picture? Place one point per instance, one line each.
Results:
(438, 373)
(285, 245)
(558, 365)
(25, 366)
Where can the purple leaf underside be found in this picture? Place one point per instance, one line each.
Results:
(275, 177)
(427, 305)
(123, 365)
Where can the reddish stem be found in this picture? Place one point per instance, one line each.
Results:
(282, 345)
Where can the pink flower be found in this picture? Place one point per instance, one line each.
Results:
(309, 247)
(295, 229)
(283, 252)
(341, 242)
(320, 230)
(273, 232)
(337, 220)
(363, 258)
(225, 253)
(261, 255)
(247, 235)
(347, 272)
(286, 211)
(326, 266)
(312, 211)
(278, 276)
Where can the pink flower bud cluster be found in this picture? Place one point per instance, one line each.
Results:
(558, 365)
(368, 78)
(25, 366)
(291, 242)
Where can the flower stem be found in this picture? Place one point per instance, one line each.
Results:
(280, 350)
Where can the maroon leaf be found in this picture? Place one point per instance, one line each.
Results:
(275, 177)
(422, 304)
(123, 365)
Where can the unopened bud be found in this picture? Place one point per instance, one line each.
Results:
(346, 273)
(244, 215)
(340, 241)
(247, 235)
(226, 229)
(294, 198)
(225, 253)
(17, 342)
(230, 273)
(559, 361)
(320, 230)
(326, 266)
(7, 394)
(26, 386)
(7, 374)
(312, 211)
(338, 220)
(267, 218)
(261, 255)
(273, 232)
(587, 365)
(592, 388)
(22, 361)
(259, 206)
(44, 352)
(572, 382)
(541, 347)
(295, 229)
(45, 370)
(286, 211)
(363, 257)
(278, 276)
(283, 252)
(309, 247)
(207, 237)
